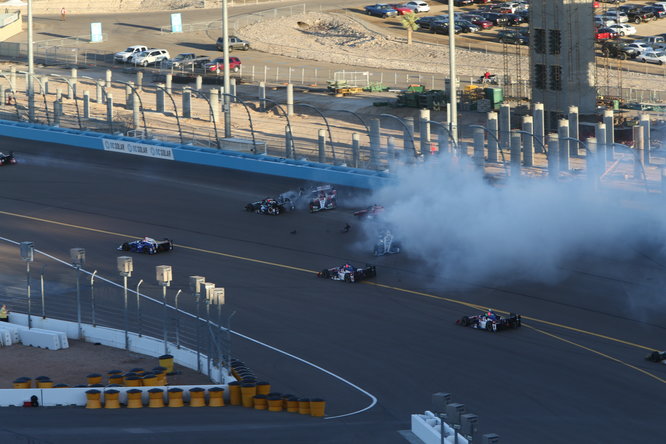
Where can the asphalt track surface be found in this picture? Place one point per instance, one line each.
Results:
(574, 373)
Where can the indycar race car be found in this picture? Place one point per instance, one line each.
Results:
(386, 244)
(657, 356)
(371, 212)
(270, 206)
(490, 321)
(348, 273)
(323, 198)
(147, 245)
(7, 159)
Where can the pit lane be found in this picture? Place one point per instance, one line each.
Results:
(395, 337)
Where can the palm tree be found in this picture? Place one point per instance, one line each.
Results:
(408, 22)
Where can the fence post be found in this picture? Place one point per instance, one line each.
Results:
(515, 153)
(98, 92)
(198, 83)
(600, 135)
(390, 149)
(86, 104)
(262, 96)
(108, 74)
(563, 132)
(375, 141)
(71, 89)
(57, 111)
(288, 143)
(109, 109)
(479, 139)
(321, 143)
(232, 89)
(187, 103)
(645, 125)
(553, 155)
(408, 134)
(159, 98)
(139, 80)
(491, 125)
(12, 78)
(573, 130)
(539, 126)
(169, 82)
(610, 136)
(58, 94)
(528, 143)
(424, 131)
(356, 148)
(290, 100)
(135, 111)
(129, 97)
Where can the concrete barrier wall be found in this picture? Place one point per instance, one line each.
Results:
(296, 169)
(427, 428)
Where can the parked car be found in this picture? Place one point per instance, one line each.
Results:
(496, 18)
(513, 19)
(636, 14)
(234, 43)
(467, 26)
(619, 49)
(478, 21)
(187, 59)
(623, 29)
(509, 7)
(381, 10)
(217, 64)
(418, 6)
(618, 16)
(658, 12)
(462, 2)
(605, 34)
(513, 36)
(122, 56)
(150, 57)
(425, 22)
(602, 20)
(442, 27)
(651, 40)
(652, 56)
(640, 47)
(401, 8)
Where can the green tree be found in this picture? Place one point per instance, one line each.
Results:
(408, 22)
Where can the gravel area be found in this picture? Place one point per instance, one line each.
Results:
(71, 365)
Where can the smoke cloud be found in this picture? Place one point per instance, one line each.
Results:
(466, 229)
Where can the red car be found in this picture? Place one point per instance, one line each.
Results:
(402, 9)
(605, 34)
(218, 64)
(479, 21)
(596, 4)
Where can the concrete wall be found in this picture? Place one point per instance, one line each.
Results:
(127, 146)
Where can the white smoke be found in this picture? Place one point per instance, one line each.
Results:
(466, 229)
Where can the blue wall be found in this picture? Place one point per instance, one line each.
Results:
(297, 169)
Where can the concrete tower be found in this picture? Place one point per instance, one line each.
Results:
(562, 56)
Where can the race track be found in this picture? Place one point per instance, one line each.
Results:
(574, 373)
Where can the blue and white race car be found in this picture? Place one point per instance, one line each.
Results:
(147, 245)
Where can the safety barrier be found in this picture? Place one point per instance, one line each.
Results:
(296, 169)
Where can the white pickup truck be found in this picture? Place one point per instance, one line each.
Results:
(122, 56)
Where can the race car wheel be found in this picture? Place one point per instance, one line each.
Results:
(125, 247)
(489, 326)
(348, 279)
(325, 274)
(465, 321)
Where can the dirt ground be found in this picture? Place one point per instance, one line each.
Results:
(71, 366)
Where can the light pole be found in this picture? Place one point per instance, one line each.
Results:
(27, 250)
(177, 320)
(195, 288)
(41, 85)
(218, 299)
(78, 256)
(225, 47)
(76, 101)
(164, 277)
(125, 268)
(138, 307)
(206, 292)
(228, 360)
(92, 297)
(453, 94)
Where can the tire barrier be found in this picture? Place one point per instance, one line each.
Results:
(260, 402)
(149, 379)
(138, 371)
(116, 379)
(292, 404)
(44, 384)
(155, 398)
(22, 383)
(274, 402)
(215, 397)
(166, 361)
(93, 399)
(134, 399)
(235, 397)
(248, 391)
(111, 399)
(160, 372)
(304, 406)
(197, 397)
(175, 397)
(263, 388)
(133, 381)
(94, 378)
(317, 407)
(60, 386)
(39, 379)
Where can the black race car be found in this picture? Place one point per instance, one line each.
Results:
(270, 206)
(147, 245)
(7, 159)
(657, 356)
(348, 273)
(490, 321)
